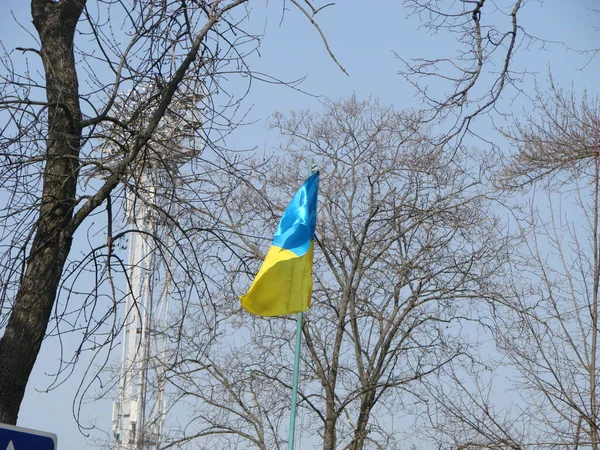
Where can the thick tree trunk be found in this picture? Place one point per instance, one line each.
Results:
(55, 22)
(360, 432)
(329, 433)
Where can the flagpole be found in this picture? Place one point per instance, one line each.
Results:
(299, 318)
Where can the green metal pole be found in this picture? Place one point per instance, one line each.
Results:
(295, 381)
(299, 317)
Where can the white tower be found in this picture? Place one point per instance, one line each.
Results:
(139, 409)
(144, 334)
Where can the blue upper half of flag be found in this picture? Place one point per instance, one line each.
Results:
(296, 228)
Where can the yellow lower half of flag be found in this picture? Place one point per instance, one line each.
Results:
(283, 284)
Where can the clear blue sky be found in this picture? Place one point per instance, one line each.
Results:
(363, 36)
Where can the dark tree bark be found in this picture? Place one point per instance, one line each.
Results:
(174, 62)
(25, 330)
(360, 432)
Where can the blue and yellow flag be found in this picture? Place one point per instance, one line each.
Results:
(283, 284)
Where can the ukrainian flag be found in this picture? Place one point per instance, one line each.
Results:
(283, 284)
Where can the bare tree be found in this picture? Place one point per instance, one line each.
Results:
(542, 390)
(551, 333)
(556, 144)
(468, 405)
(480, 65)
(406, 251)
(547, 327)
(128, 91)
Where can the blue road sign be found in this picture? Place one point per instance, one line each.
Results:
(17, 438)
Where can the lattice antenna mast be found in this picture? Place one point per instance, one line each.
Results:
(139, 409)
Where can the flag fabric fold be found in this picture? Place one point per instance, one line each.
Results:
(283, 284)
